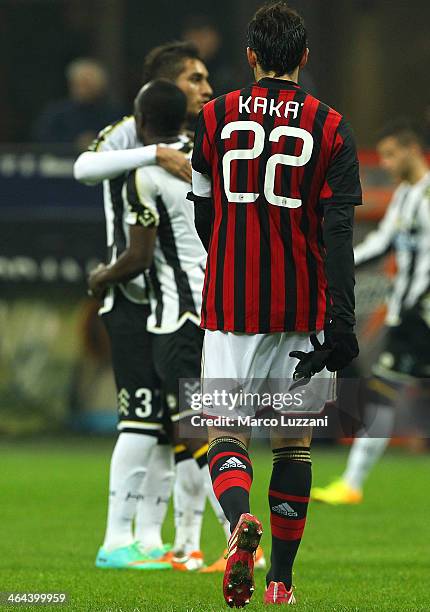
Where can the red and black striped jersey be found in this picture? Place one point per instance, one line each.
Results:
(276, 156)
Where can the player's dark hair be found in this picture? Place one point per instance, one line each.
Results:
(162, 106)
(403, 130)
(167, 61)
(278, 36)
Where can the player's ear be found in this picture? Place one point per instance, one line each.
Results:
(304, 59)
(252, 58)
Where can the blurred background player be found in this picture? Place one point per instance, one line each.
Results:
(269, 284)
(117, 151)
(162, 229)
(87, 110)
(405, 356)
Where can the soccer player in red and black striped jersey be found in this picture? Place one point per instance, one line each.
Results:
(275, 181)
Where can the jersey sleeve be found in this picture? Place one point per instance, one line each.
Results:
(200, 160)
(342, 183)
(114, 137)
(112, 153)
(339, 263)
(141, 198)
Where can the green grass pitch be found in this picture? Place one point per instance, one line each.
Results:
(53, 504)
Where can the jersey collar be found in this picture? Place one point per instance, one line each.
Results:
(272, 83)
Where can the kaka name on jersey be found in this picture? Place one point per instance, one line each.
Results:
(269, 105)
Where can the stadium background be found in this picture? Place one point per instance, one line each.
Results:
(369, 59)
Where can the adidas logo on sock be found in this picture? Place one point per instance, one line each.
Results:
(233, 462)
(284, 509)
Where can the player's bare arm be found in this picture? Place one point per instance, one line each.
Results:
(134, 260)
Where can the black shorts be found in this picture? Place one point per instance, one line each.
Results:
(406, 349)
(138, 386)
(177, 355)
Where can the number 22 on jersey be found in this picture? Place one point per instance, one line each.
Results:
(272, 162)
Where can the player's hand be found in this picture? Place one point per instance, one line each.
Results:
(97, 283)
(344, 348)
(174, 162)
(339, 349)
(313, 362)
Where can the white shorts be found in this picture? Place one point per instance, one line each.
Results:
(259, 364)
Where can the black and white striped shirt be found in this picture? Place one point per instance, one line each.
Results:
(158, 199)
(119, 136)
(406, 229)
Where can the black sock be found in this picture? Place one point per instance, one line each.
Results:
(289, 491)
(231, 472)
(181, 453)
(201, 456)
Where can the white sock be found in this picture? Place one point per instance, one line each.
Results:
(127, 470)
(189, 495)
(366, 450)
(216, 506)
(155, 494)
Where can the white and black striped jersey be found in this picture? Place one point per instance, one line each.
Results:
(158, 199)
(119, 136)
(406, 229)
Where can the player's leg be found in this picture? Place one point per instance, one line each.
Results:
(231, 471)
(231, 361)
(178, 356)
(189, 505)
(289, 491)
(219, 564)
(127, 470)
(138, 426)
(291, 477)
(369, 446)
(154, 499)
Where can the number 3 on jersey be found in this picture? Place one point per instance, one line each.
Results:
(272, 162)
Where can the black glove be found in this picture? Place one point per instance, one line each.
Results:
(313, 362)
(339, 349)
(343, 344)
